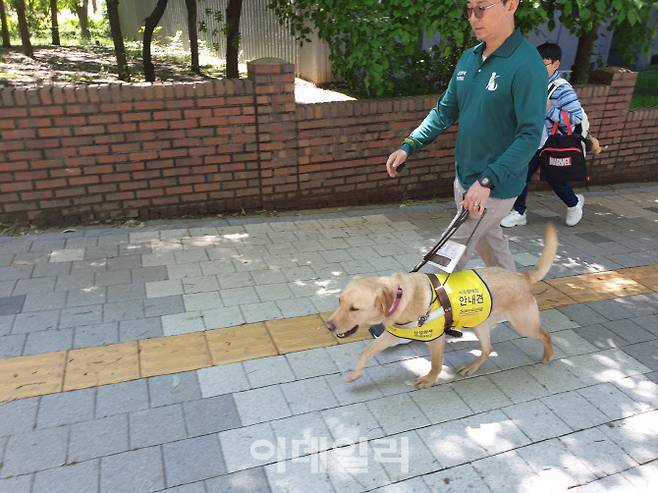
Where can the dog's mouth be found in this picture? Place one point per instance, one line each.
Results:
(347, 333)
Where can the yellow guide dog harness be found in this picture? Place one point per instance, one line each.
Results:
(463, 300)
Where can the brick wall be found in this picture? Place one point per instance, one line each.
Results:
(77, 154)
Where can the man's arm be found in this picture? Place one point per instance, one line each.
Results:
(439, 119)
(529, 101)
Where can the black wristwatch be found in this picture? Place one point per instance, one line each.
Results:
(486, 182)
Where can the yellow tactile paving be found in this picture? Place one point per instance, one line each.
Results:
(598, 286)
(646, 275)
(28, 376)
(164, 355)
(240, 343)
(91, 367)
(549, 297)
(296, 334)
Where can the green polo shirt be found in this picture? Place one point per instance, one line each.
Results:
(500, 104)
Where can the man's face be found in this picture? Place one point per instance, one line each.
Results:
(551, 66)
(488, 17)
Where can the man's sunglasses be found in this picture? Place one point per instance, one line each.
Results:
(478, 11)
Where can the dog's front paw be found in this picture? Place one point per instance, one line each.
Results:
(353, 376)
(426, 381)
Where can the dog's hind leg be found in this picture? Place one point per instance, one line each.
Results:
(528, 324)
(483, 333)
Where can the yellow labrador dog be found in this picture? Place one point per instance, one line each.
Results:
(406, 300)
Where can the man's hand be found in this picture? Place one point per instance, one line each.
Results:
(394, 161)
(476, 198)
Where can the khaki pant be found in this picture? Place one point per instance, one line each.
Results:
(488, 241)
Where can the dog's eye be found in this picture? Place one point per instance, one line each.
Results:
(353, 309)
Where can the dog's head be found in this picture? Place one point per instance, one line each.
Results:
(364, 301)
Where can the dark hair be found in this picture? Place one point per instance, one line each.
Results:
(550, 51)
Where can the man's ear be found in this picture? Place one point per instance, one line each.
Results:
(384, 299)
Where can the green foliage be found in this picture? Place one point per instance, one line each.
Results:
(378, 48)
(646, 89)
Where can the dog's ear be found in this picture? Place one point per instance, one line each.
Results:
(384, 299)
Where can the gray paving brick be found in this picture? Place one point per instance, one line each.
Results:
(636, 436)
(35, 321)
(112, 278)
(17, 484)
(201, 301)
(138, 471)
(350, 469)
(170, 389)
(646, 353)
(66, 408)
(363, 389)
(10, 305)
(232, 280)
(250, 409)
(294, 475)
(200, 284)
(166, 305)
(123, 310)
(143, 328)
(124, 263)
(601, 337)
(237, 446)
(352, 424)
(76, 280)
(181, 271)
(192, 460)
(413, 485)
(122, 397)
(48, 341)
(211, 415)
(268, 371)
(18, 416)
(536, 420)
(38, 285)
(148, 274)
(601, 454)
(556, 465)
(76, 478)
(98, 438)
(182, 323)
(556, 376)
(198, 487)
(157, 426)
(456, 480)
(297, 307)
(81, 315)
(222, 379)
(158, 289)
(125, 292)
(223, 317)
(397, 413)
(575, 410)
(506, 472)
(311, 363)
(312, 394)
(628, 330)
(6, 323)
(96, 335)
(239, 296)
(93, 295)
(648, 322)
(553, 320)
(301, 435)
(612, 309)
(481, 394)
(611, 401)
(257, 312)
(35, 451)
(249, 481)
(12, 345)
(16, 272)
(582, 314)
(518, 385)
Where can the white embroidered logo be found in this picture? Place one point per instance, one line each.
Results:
(491, 85)
(461, 74)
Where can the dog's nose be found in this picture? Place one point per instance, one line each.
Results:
(330, 325)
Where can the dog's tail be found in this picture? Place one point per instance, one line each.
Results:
(547, 256)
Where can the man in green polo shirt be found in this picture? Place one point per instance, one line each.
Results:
(498, 94)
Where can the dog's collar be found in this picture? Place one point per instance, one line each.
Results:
(396, 302)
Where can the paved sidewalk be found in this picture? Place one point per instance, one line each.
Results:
(587, 421)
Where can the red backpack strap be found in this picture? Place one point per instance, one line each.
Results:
(567, 122)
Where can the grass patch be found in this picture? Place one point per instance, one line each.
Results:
(646, 89)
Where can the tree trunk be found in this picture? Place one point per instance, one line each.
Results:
(117, 38)
(192, 31)
(582, 65)
(150, 24)
(22, 25)
(82, 10)
(6, 43)
(54, 26)
(233, 11)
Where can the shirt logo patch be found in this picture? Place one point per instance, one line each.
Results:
(461, 74)
(492, 85)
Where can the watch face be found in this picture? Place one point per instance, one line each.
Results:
(485, 182)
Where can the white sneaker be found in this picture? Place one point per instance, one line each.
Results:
(575, 213)
(514, 219)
